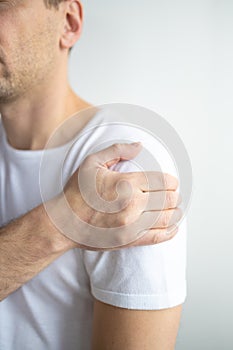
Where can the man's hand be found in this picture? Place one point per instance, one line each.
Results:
(142, 205)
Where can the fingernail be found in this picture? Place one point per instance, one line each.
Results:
(135, 144)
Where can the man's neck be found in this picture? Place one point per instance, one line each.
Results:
(30, 121)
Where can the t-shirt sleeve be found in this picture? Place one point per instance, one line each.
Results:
(145, 277)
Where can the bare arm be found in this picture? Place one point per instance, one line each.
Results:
(117, 328)
(27, 246)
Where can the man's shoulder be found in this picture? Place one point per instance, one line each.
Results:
(104, 129)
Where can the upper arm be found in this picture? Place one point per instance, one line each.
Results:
(123, 329)
(139, 290)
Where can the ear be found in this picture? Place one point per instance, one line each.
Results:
(72, 24)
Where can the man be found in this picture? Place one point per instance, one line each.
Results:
(84, 299)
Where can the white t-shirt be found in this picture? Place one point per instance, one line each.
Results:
(54, 310)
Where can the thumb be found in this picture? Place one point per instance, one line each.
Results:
(117, 152)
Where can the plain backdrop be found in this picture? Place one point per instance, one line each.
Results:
(176, 58)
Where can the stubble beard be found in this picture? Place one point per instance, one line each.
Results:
(31, 64)
(6, 85)
(17, 82)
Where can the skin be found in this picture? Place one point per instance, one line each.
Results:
(117, 328)
(34, 63)
(35, 98)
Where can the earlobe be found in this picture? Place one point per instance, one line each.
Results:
(73, 24)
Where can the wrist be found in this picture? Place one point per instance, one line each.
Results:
(48, 232)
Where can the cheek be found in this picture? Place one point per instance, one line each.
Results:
(19, 24)
(5, 29)
(28, 37)
(10, 31)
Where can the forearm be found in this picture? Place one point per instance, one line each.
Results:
(27, 246)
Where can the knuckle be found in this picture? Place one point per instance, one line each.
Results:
(129, 215)
(138, 205)
(125, 179)
(122, 219)
(172, 199)
(124, 187)
(169, 199)
(175, 199)
(165, 219)
(130, 211)
(128, 178)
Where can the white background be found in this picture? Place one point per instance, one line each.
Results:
(176, 58)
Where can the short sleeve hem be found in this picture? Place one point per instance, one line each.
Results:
(142, 302)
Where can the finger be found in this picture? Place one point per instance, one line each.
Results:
(150, 219)
(116, 152)
(149, 237)
(161, 200)
(133, 227)
(154, 236)
(156, 181)
(162, 219)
